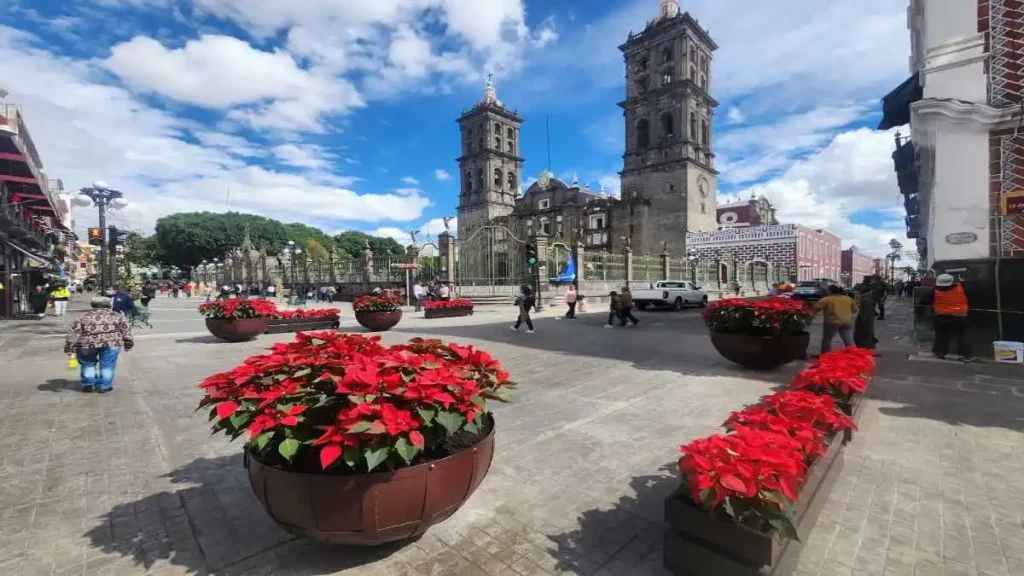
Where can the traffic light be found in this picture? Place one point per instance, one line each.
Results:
(531, 254)
(96, 236)
(117, 236)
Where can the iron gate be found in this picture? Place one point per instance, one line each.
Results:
(491, 261)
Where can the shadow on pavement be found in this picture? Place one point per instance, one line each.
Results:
(214, 524)
(60, 385)
(204, 339)
(627, 536)
(677, 342)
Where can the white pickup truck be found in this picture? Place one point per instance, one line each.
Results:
(668, 293)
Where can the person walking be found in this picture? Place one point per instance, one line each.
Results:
(121, 302)
(38, 299)
(838, 310)
(525, 302)
(445, 293)
(613, 308)
(879, 292)
(96, 338)
(148, 293)
(60, 297)
(864, 325)
(950, 307)
(626, 308)
(417, 295)
(570, 300)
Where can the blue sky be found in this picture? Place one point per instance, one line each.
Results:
(342, 114)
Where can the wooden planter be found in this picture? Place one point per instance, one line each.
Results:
(281, 325)
(237, 329)
(853, 408)
(370, 509)
(761, 352)
(379, 321)
(700, 544)
(447, 312)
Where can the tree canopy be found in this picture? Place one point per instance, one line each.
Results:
(186, 239)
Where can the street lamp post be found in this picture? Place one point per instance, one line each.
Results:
(691, 256)
(292, 253)
(102, 196)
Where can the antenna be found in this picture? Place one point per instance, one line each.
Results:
(547, 125)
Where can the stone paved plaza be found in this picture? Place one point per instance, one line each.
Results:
(132, 482)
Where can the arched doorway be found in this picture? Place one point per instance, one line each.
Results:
(759, 271)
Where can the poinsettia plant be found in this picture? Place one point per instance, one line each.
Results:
(311, 313)
(377, 303)
(240, 308)
(346, 403)
(448, 304)
(840, 373)
(768, 316)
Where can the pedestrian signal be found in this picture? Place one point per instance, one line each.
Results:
(95, 236)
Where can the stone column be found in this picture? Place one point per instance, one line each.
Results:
(628, 253)
(446, 245)
(665, 266)
(540, 273)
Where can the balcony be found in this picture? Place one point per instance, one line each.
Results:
(912, 205)
(905, 163)
(17, 225)
(18, 149)
(913, 227)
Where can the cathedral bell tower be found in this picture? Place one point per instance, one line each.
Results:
(490, 168)
(669, 182)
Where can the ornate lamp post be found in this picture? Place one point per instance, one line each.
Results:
(102, 196)
(694, 259)
(292, 253)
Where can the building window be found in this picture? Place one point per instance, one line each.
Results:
(497, 129)
(497, 178)
(544, 204)
(513, 182)
(511, 134)
(703, 82)
(480, 142)
(704, 136)
(666, 77)
(641, 86)
(497, 143)
(693, 73)
(668, 125)
(479, 178)
(643, 134)
(666, 53)
(467, 181)
(630, 230)
(511, 147)
(693, 54)
(545, 226)
(597, 222)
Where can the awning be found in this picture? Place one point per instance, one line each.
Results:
(896, 104)
(42, 259)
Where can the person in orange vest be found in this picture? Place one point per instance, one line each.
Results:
(950, 307)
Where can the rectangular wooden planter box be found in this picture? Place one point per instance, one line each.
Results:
(447, 312)
(853, 409)
(282, 326)
(699, 544)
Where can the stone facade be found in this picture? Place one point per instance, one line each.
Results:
(754, 212)
(736, 250)
(669, 182)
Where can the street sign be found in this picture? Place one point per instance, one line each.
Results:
(404, 266)
(1013, 202)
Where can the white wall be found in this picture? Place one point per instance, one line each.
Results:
(959, 195)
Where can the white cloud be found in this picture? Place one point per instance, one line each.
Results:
(442, 175)
(410, 181)
(400, 236)
(223, 72)
(305, 156)
(88, 131)
(735, 116)
(611, 183)
(852, 174)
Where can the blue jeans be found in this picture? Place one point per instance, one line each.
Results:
(98, 366)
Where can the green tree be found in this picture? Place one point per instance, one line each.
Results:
(353, 243)
(315, 251)
(185, 240)
(301, 233)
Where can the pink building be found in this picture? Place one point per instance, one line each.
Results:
(856, 265)
(818, 254)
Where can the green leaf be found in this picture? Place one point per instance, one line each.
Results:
(239, 420)
(288, 448)
(784, 525)
(502, 396)
(427, 414)
(359, 427)
(406, 450)
(316, 341)
(351, 456)
(371, 397)
(473, 427)
(481, 402)
(302, 373)
(727, 506)
(357, 399)
(262, 440)
(451, 421)
(375, 456)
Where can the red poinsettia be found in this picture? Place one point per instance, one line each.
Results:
(448, 304)
(750, 475)
(810, 419)
(841, 373)
(377, 303)
(312, 313)
(348, 401)
(238, 308)
(766, 316)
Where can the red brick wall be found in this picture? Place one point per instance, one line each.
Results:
(1015, 174)
(983, 20)
(1002, 21)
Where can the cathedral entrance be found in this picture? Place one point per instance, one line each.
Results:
(490, 262)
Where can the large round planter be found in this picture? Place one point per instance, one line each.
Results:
(237, 329)
(761, 352)
(379, 321)
(370, 509)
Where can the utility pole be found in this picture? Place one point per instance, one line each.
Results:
(102, 196)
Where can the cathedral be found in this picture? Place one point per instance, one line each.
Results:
(668, 179)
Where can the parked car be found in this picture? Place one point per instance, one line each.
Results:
(672, 294)
(811, 290)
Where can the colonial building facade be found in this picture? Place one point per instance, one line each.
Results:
(802, 253)
(669, 184)
(757, 211)
(856, 265)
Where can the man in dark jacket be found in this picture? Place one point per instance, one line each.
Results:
(121, 302)
(38, 299)
(148, 293)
